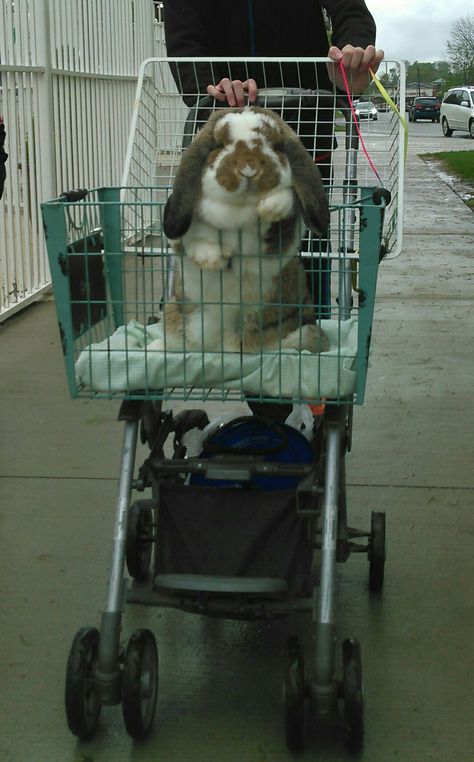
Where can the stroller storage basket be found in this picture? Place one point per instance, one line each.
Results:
(233, 533)
(111, 264)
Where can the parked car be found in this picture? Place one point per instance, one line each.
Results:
(457, 111)
(425, 107)
(365, 110)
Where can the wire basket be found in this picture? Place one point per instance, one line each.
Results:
(112, 265)
(165, 118)
(111, 268)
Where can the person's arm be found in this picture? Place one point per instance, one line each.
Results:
(353, 42)
(187, 35)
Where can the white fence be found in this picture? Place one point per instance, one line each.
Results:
(68, 73)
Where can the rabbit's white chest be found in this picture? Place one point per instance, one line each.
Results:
(221, 214)
(212, 248)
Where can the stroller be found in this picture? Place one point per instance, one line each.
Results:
(246, 516)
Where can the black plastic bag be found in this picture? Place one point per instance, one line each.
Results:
(3, 156)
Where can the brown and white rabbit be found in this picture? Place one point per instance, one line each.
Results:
(235, 212)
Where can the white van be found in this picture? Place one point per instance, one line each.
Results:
(457, 111)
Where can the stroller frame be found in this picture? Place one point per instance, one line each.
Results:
(252, 598)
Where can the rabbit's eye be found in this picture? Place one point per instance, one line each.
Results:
(222, 135)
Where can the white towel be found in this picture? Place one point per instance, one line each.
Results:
(122, 364)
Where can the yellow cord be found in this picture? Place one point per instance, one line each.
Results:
(394, 108)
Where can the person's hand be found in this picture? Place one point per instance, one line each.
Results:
(234, 91)
(357, 62)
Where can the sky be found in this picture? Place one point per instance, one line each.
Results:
(416, 30)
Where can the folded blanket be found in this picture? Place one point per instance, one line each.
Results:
(123, 364)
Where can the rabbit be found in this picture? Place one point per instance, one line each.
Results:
(235, 215)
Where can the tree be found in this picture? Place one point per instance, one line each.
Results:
(460, 47)
(426, 71)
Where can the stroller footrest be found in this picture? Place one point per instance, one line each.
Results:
(213, 584)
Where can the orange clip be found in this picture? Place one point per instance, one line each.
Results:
(317, 409)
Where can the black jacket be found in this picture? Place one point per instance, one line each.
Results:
(266, 28)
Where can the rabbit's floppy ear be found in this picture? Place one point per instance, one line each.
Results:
(180, 206)
(306, 181)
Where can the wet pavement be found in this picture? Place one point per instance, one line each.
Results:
(220, 694)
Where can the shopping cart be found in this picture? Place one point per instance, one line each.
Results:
(241, 513)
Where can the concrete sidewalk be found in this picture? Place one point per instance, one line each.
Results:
(221, 682)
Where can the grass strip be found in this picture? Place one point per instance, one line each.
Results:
(460, 163)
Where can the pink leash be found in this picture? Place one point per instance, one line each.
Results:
(354, 116)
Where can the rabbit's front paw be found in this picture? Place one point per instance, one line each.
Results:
(276, 205)
(210, 256)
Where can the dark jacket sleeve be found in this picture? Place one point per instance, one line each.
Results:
(352, 23)
(186, 36)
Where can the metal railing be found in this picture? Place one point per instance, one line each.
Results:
(68, 74)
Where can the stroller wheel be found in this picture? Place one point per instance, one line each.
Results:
(140, 684)
(377, 552)
(139, 538)
(81, 696)
(294, 695)
(353, 695)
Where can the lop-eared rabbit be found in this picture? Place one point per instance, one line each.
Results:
(235, 215)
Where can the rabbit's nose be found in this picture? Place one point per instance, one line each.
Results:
(248, 171)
